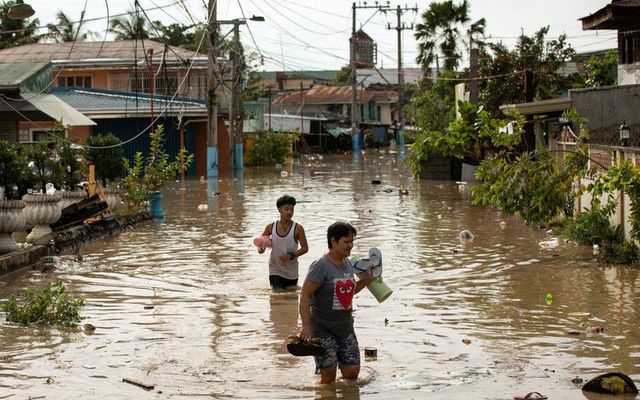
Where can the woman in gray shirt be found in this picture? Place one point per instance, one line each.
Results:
(326, 305)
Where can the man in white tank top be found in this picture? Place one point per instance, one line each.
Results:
(288, 243)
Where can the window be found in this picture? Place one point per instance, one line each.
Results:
(74, 81)
(32, 135)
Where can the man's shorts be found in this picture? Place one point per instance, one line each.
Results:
(340, 352)
(278, 282)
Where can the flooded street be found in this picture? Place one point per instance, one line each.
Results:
(185, 303)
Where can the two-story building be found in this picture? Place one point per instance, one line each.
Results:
(624, 17)
(122, 86)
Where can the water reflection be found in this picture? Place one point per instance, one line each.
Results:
(217, 330)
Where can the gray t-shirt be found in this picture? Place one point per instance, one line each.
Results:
(331, 303)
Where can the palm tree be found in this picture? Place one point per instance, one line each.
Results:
(63, 31)
(16, 32)
(133, 27)
(441, 30)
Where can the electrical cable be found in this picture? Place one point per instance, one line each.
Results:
(140, 133)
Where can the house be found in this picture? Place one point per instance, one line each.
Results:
(134, 73)
(130, 116)
(623, 16)
(332, 104)
(124, 65)
(28, 110)
(370, 76)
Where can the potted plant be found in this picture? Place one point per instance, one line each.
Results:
(106, 154)
(13, 183)
(156, 172)
(43, 208)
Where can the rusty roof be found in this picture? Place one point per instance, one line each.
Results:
(328, 95)
(82, 51)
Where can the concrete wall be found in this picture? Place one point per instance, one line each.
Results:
(629, 74)
(623, 209)
(607, 106)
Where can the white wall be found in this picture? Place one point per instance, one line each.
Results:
(629, 74)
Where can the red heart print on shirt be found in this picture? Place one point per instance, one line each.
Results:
(344, 292)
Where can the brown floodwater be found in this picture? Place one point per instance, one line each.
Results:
(184, 304)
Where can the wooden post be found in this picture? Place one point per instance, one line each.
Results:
(92, 179)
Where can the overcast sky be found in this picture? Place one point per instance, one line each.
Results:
(313, 35)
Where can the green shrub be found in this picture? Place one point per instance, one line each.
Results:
(270, 148)
(590, 227)
(51, 305)
(106, 153)
(619, 252)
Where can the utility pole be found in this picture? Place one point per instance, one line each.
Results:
(355, 111)
(352, 64)
(152, 82)
(236, 119)
(400, 26)
(473, 71)
(212, 99)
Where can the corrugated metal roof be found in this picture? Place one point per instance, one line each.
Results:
(320, 74)
(57, 109)
(120, 50)
(94, 102)
(325, 95)
(13, 74)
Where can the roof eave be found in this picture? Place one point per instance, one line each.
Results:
(537, 107)
(611, 17)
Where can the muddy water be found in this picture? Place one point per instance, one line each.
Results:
(185, 304)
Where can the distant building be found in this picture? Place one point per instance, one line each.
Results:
(623, 16)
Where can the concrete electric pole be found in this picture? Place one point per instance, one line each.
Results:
(353, 47)
(212, 99)
(400, 26)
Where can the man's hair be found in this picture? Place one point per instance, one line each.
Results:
(339, 230)
(286, 199)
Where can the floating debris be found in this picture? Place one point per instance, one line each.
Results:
(466, 235)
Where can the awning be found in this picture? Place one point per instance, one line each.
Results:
(57, 109)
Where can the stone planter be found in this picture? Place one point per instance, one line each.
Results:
(114, 202)
(41, 210)
(12, 219)
(69, 198)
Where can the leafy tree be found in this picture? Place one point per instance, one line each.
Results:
(16, 32)
(69, 157)
(107, 155)
(531, 71)
(15, 176)
(602, 71)
(343, 76)
(133, 27)
(176, 34)
(64, 31)
(46, 167)
(470, 136)
(532, 184)
(442, 29)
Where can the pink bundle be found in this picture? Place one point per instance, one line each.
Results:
(262, 241)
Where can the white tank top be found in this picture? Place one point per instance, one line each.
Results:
(283, 245)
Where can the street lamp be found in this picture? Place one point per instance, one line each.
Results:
(20, 10)
(623, 131)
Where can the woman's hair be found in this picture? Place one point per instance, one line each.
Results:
(286, 199)
(338, 230)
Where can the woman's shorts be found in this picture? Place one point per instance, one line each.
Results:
(340, 352)
(278, 282)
